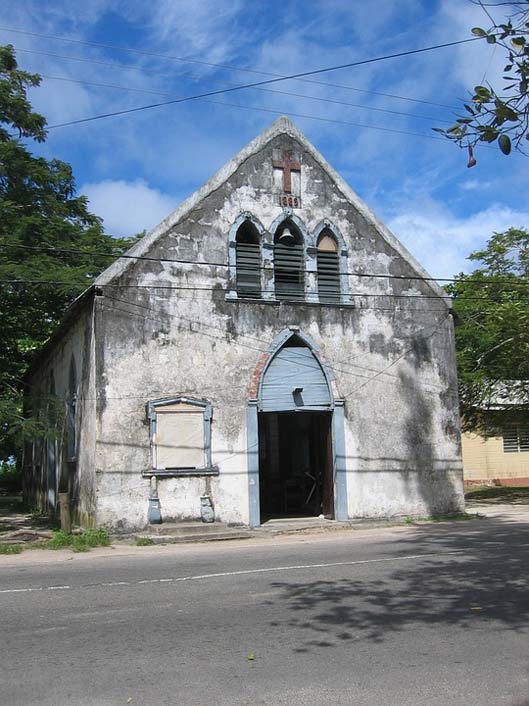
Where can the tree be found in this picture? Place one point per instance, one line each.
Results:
(492, 330)
(500, 114)
(38, 207)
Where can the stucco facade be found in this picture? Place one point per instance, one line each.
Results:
(168, 326)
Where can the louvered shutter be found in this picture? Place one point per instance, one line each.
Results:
(294, 380)
(328, 277)
(248, 269)
(289, 271)
(523, 438)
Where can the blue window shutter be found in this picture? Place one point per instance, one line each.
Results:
(294, 380)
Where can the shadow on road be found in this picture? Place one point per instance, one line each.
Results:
(478, 577)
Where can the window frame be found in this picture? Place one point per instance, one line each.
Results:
(286, 273)
(519, 430)
(322, 288)
(207, 469)
(72, 412)
(245, 291)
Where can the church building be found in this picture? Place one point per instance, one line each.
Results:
(269, 350)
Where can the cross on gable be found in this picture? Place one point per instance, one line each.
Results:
(288, 165)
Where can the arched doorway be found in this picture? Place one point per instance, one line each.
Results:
(295, 434)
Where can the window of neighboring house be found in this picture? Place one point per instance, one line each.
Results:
(289, 262)
(516, 438)
(180, 435)
(71, 413)
(328, 263)
(248, 261)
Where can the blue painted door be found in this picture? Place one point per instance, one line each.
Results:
(294, 380)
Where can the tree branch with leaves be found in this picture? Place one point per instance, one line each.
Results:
(39, 206)
(494, 113)
(491, 305)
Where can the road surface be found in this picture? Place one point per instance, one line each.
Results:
(434, 615)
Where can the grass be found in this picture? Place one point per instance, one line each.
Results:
(79, 542)
(143, 542)
(10, 548)
(504, 493)
(82, 542)
(442, 518)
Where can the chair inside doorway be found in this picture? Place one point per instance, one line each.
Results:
(295, 464)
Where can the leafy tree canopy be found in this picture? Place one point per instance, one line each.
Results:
(492, 330)
(500, 113)
(39, 206)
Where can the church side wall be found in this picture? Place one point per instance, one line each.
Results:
(391, 351)
(48, 467)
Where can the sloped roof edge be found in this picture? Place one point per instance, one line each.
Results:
(282, 125)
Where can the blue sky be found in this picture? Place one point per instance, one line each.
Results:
(136, 168)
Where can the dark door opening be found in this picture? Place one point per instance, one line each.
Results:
(295, 464)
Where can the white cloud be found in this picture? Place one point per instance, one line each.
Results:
(441, 241)
(475, 185)
(194, 28)
(128, 207)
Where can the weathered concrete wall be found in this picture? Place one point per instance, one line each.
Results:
(42, 482)
(393, 357)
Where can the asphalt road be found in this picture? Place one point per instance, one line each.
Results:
(436, 615)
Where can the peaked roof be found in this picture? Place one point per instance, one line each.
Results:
(280, 126)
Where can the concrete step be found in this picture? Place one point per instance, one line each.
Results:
(193, 531)
(192, 526)
(194, 537)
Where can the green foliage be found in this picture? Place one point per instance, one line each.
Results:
(501, 494)
(144, 542)
(38, 207)
(492, 332)
(81, 542)
(500, 114)
(10, 548)
(10, 477)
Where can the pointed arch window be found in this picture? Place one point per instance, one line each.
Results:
(51, 443)
(289, 262)
(248, 261)
(328, 265)
(71, 413)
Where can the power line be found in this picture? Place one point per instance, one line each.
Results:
(400, 357)
(209, 326)
(294, 293)
(266, 90)
(196, 61)
(206, 263)
(322, 119)
(319, 118)
(265, 82)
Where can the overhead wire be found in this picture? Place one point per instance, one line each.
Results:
(294, 292)
(210, 263)
(209, 325)
(197, 61)
(273, 80)
(399, 358)
(320, 99)
(265, 82)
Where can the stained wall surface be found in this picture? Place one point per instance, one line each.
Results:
(52, 465)
(167, 329)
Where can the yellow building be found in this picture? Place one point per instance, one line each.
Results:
(497, 460)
